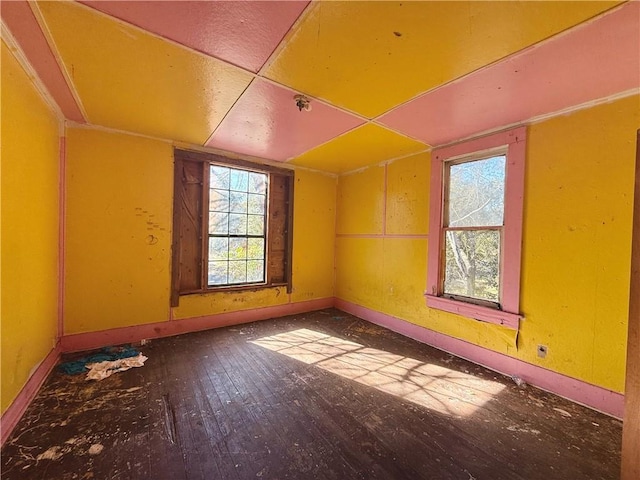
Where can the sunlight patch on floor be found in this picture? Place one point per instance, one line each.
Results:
(435, 387)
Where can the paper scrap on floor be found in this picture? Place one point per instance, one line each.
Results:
(100, 370)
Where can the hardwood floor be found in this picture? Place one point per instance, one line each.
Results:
(322, 395)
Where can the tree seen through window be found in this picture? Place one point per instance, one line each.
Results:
(474, 219)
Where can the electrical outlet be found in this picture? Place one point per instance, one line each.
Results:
(542, 351)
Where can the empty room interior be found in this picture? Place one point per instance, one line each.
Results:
(320, 239)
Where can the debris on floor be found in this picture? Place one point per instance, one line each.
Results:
(51, 454)
(104, 363)
(562, 412)
(101, 370)
(191, 413)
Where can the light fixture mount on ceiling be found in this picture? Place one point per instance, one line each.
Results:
(302, 102)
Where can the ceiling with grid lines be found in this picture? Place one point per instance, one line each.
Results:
(383, 79)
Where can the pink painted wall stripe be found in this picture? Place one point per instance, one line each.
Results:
(61, 233)
(592, 396)
(25, 28)
(385, 198)
(12, 415)
(117, 336)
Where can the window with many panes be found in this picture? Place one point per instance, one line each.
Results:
(476, 227)
(232, 224)
(237, 226)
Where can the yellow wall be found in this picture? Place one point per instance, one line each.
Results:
(118, 240)
(118, 230)
(314, 223)
(579, 194)
(29, 269)
(576, 257)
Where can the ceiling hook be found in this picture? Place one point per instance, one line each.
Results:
(302, 102)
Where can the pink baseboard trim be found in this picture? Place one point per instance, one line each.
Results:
(14, 413)
(592, 396)
(116, 336)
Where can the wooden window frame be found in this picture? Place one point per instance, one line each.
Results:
(512, 143)
(276, 275)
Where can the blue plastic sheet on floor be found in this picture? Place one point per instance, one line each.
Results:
(107, 354)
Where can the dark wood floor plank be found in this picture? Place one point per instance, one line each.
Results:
(190, 432)
(165, 454)
(256, 402)
(293, 433)
(333, 402)
(322, 395)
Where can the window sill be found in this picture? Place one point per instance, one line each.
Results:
(235, 288)
(484, 314)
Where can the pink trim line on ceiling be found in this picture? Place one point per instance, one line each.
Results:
(25, 28)
(242, 33)
(598, 398)
(595, 60)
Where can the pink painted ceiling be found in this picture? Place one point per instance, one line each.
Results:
(358, 62)
(595, 60)
(243, 33)
(249, 127)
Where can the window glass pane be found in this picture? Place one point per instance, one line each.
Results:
(238, 203)
(239, 180)
(255, 248)
(218, 248)
(238, 272)
(237, 224)
(472, 264)
(237, 248)
(257, 203)
(217, 273)
(219, 177)
(257, 182)
(219, 200)
(476, 193)
(256, 225)
(255, 271)
(218, 223)
(237, 209)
